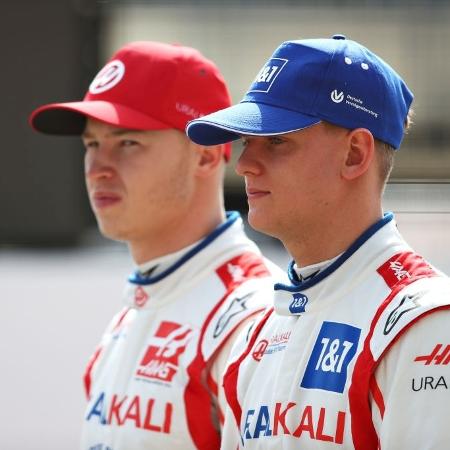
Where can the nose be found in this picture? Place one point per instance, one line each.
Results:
(249, 162)
(98, 164)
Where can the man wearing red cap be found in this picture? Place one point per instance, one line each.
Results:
(155, 380)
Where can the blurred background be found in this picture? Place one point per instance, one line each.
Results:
(60, 281)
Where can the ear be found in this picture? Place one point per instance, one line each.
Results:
(209, 159)
(359, 155)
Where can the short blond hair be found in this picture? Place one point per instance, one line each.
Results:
(386, 152)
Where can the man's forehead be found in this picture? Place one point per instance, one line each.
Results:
(94, 126)
(315, 126)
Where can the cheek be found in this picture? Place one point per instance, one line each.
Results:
(302, 185)
(166, 187)
(179, 185)
(87, 167)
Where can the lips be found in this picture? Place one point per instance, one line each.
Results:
(104, 199)
(255, 193)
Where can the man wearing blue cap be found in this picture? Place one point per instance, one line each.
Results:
(360, 335)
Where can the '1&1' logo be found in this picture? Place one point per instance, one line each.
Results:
(267, 75)
(335, 347)
(298, 304)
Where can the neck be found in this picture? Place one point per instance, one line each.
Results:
(181, 232)
(330, 236)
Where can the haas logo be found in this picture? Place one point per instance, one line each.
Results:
(108, 77)
(161, 360)
(398, 270)
(260, 349)
(336, 96)
(140, 296)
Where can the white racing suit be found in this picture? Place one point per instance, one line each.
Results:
(151, 383)
(357, 357)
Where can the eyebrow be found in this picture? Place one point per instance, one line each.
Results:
(119, 132)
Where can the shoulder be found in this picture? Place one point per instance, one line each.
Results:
(240, 305)
(249, 280)
(422, 304)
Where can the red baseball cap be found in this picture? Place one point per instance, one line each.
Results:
(144, 86)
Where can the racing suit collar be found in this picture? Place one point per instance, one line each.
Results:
(364, 256)
(178, 259)
(159, 265)
(298, 285)
(303, 274)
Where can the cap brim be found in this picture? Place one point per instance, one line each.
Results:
(246, 118)
(70, 118)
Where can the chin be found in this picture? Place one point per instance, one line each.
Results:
(111, 231)
(260, 222)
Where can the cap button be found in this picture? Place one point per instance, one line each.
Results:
(339, 37)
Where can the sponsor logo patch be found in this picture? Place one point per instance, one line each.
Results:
(275, 344)
(236, 307)
(335, 347)
(108, 77)
(260, 349)
(268, 74)
(141, 412)
(298, 303)
(429, 383)
(394, 270)
(297, 421)
(439, 356)
(336, 96)
(407, 303)
(140, 297)
(402, 266)
(161, 359)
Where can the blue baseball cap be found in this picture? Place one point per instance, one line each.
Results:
(307, 81)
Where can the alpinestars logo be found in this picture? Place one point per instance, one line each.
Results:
(161, 360)
(407, 303)
(336, 96)
(237, 306)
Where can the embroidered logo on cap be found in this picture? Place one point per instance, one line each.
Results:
(108, 77)
(267, 75)
(337, 97)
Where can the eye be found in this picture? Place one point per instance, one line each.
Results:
(276, 140)
(91, 145)
(128, 143)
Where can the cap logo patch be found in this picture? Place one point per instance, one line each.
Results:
(267, 75)
(336, 96)
(108, 77)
